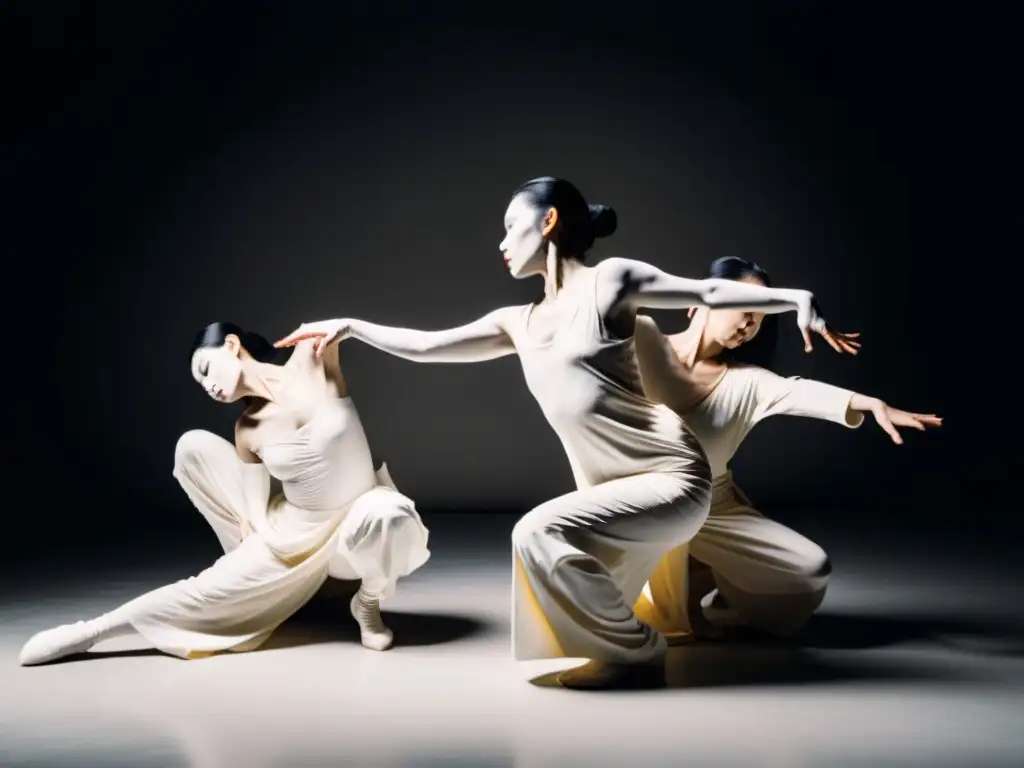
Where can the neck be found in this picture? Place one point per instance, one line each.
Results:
(693, 346)
(262, 380)
(558, 272)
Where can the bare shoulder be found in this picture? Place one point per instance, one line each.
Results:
(617, 278)
(621, 271)
(646, 324)
(302, 353)
(502, 315)
(501, 319)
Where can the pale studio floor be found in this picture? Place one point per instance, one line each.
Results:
(913, 661)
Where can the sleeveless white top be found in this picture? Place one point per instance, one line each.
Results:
(323, 467)
(588, 387)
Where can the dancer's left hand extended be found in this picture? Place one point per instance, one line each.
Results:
(324, 332)
(889, 418)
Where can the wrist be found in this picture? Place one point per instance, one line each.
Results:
(796, 298)
(864, 403)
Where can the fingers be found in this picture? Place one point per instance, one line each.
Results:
(292, 339)
(807, 339)
(844, 336)
(321, 344)
(838, 343)
(832, 342)
(883, 421)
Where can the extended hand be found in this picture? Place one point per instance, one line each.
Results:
(809, 318)
(325, 332)
(890, 418)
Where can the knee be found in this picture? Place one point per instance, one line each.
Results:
(389, 512)
(814, 563)
(529, 531)
(193, 445)
(395, 515)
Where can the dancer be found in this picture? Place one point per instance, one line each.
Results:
(334, 517)
(741, 568)
(643, 482)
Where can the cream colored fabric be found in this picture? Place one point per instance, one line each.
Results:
(643, 487)
(771, 576)
(334, 517)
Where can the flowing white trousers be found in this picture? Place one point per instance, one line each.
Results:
(238, 601)
(770, 576)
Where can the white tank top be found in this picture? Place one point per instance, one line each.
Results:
(588, 387)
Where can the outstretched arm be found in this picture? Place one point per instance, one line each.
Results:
(483, 339)
(889, 418)
(630, 284)
(639, 284)
(775, 395)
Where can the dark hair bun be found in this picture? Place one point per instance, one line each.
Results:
(604, 220)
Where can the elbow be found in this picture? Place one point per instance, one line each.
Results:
(709, 292)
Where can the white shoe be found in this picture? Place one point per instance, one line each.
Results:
(372, 632)
(52, 644)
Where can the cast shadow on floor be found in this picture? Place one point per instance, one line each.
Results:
(817, 655)
(997, 636)
(326, 619)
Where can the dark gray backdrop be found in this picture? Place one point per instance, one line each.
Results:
(270, 167)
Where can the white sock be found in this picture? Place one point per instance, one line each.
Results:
(374, 634)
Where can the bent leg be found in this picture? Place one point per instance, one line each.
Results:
(666, 599)
(582, 559)
(235, 604)
(381, 540)
(767, 575)
(228, 492)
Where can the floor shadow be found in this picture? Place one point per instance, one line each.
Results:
(123, 653)
(730, 665)
(724, 665)
(329, 621)
(862, 631)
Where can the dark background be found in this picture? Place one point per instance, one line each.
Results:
(271, 165)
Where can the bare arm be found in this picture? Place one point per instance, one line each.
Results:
(255, 480)
(243, 445)
(626, 285)
(627, 282)
(483, 339)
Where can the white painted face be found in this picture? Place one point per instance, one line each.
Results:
(218, 370)
(732, 328)
(523, 246)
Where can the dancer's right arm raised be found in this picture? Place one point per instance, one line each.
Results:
(629, 284)
(483, 339)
